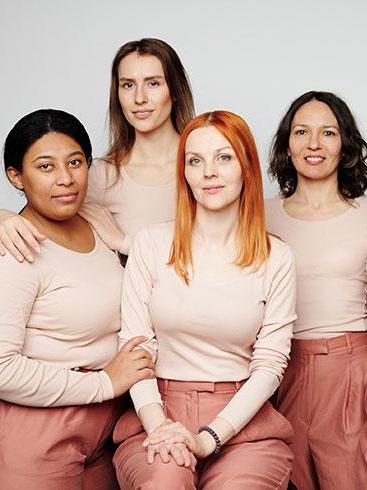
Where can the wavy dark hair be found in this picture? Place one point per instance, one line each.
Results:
(122, 134)
(352, 169)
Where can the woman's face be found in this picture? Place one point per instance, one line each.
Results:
(143, 92)
(212, 169)
(54, 176)
(315, 144)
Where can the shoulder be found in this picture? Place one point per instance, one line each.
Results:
(156, 237)
(281, 254)
(273, 204)
(361, 204)
(23, 273)
(103, 172)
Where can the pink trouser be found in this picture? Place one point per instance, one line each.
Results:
(258, 458)
(57, 448)
(323, 395)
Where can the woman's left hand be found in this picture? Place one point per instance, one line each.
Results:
(177, 451)
(201, 445)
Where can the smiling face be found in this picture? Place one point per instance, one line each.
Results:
(143, 92)
(212, 169)
(53, 177)
(315, 144)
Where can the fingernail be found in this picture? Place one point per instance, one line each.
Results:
(20, 258)
(37, 249)
(29, 258)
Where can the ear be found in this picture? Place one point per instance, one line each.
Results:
(15, 177)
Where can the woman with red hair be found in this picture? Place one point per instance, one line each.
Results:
(214, 296)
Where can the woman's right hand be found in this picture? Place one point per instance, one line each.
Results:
(129, 366)
(18, 236)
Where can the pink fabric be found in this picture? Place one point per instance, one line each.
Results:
(322, 395)
(258, 457)
(133, 205)
(57, 448)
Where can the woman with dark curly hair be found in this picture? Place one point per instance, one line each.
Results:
(318, 158)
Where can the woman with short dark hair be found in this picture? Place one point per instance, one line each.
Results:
(59, 322)
(318, 158)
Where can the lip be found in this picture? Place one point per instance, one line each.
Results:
(143, 114)
(213, 189)
(314, 159)
(70, 197)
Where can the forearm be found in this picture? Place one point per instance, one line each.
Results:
(39, 384)
(152, 416)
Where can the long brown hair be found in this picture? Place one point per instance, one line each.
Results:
(122, 134)
(252, 239)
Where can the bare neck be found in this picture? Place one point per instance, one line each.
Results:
(213, 229)
(156, 146)
(73, 233)
(316, 194)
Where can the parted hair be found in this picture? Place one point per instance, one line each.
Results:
(34, 125)
(352, 168)
(252, 240)
(122, 134)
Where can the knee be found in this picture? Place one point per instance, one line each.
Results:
(158, 475)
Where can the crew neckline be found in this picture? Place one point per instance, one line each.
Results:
(162, 186)
(69, 250)
(321, 220)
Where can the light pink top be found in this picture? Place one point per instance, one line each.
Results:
(210, 331)
(59, 313)
(134, 206)
(331, 268)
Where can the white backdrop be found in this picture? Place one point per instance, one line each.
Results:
(252, 57)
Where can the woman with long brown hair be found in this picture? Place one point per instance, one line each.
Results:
(133, 186)
(214, 295)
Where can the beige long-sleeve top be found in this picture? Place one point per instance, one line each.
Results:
(220, 331)
(59, 314)
(331, 268)
(134, 206)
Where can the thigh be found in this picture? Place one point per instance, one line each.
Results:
(49, 446)
(259, 465)
(100, 474)
(294, 402)
(133, 471)
(336, 435)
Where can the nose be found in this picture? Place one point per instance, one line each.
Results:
(210, 169)
(64, 176)
(140, 94)
(314, 140)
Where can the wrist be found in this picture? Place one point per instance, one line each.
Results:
(211, 440)
(206, 443)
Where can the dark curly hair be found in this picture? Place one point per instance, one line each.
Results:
(352, 169)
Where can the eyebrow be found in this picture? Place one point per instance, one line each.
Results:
(146, 79)
(51, 157)
(216, 151)
(324, 126)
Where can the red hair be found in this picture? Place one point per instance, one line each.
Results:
(253, 241)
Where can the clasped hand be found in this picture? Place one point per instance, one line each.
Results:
(173, 439)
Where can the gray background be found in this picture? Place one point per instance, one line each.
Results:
(250, 57)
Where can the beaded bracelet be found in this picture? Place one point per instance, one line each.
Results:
(214, 435)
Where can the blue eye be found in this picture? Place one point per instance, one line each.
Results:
(225, 157)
